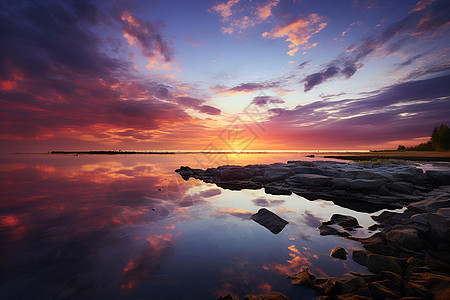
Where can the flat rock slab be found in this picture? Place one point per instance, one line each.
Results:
(269, 220)
(360, 187)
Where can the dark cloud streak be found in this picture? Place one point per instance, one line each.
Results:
(414, 24)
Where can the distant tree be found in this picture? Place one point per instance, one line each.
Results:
(440, 137)
(401, 147)
(440, 140)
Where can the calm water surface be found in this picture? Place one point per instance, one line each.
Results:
(128, 227)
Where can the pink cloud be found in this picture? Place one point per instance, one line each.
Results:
(245, 17)
(224, 9)
(148, 38)
(265, 11)
(421, 5)
(298, 31)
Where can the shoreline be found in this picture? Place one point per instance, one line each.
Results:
(344, 155)
(408, 255)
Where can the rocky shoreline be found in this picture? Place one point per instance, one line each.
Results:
(361, 187)
(408, 256)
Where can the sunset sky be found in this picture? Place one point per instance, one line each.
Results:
(228, 75)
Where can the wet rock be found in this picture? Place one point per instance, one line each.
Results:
(277, 190)
(269, 220)
(355, 285)
(347, 222)
(377, 263)
(271, 296)
(327, 230)
(394, 278)
(226, 297)
(438, 177)
(378, 243)
(352, 297)
(303, 278)
(339, 252)
(417, 290)
(437, 265)
(401, 187)
(364, 188)
(325, 286)
(406, 237)
(380, 291)
(310, 180)
(360, 256)
(274, 174)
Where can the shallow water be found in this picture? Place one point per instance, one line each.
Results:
(128, 227)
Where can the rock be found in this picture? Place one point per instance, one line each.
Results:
(352, 297)
(339, 252)
(347, 222)
(269, 220)
(437, 265)
(310, 180)
(379, 291)
(274, 174)
(226, 297)
(327, 230)
(377, 263)
(277, 190)
(406, 237)
(360, 256)
(365, 188)
(374, 227)
(271, 296)
(420, 283)
(303, 278)
(438, 177)
(401, 187)
(394, 278)
(345, 286)
(417, 290)
(325, 286)
(420, 219)
(377, 243)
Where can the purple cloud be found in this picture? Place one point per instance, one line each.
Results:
(264, 100)
(413, 25)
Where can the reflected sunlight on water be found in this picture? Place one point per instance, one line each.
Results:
(130, 227)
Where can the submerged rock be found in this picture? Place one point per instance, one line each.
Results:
(269, 220)
(303, 278)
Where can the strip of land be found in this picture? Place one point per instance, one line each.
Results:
(404, 155)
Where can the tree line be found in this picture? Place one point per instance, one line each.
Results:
(440, 141)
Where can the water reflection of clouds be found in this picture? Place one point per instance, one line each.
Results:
(45, 209)
(263, 202)
(238, 213)
(297, 258)
(310, 219)
(149, 260)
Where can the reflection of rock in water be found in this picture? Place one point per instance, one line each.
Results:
(269, 220)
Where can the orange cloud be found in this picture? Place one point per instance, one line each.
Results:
(298, 32)
(247, 18)
(265, 11)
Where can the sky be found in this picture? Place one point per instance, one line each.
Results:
(222, 75)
